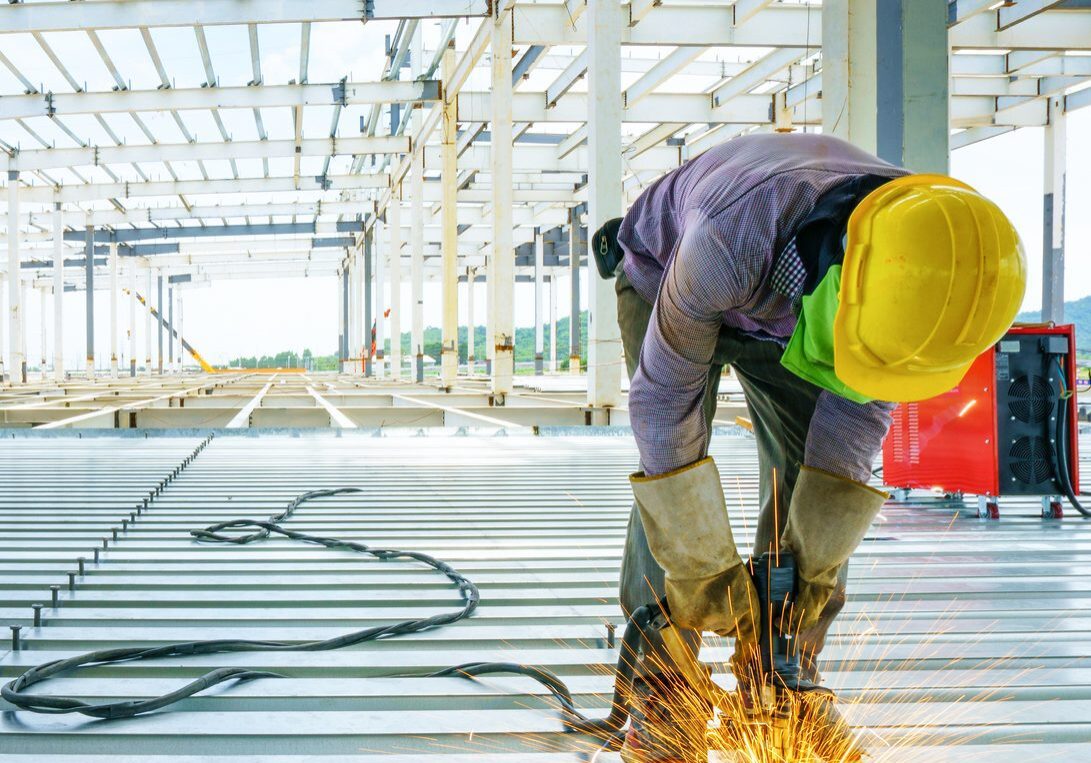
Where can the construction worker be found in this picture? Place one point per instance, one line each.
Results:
(834, 284)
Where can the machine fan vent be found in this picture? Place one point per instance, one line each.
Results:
(1030, 460)
(1030, 399)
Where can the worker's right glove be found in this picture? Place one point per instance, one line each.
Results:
(828, 517)
(685, 518)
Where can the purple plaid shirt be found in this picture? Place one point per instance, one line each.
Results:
(711, 244)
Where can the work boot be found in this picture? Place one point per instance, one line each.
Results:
(668, 721)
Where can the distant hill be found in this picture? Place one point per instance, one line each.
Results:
(1078, 312)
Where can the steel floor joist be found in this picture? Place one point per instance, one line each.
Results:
(963, 639)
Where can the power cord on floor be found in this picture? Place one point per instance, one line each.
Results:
(606, 730)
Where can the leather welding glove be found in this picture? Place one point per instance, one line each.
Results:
(827, 519)
(685, 518)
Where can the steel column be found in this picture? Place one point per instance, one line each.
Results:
(539, 260)
(604, 197)
(131, 267)
(502, 262)
(449, 274)
(170, 332)
(58, 293)
(367, 285)
(89, 285)
(416, 216)
(17, 364)
(553, 320)
(43, 320)
(394, 211)
(148, 325)
(24, 297)
(3, 374)
(343, 343)
(377, 239)
(575, 327)
(848, 71)
(354, 356)
(471, 274)
(1055, 158)
(113, 309)
(885, 79)
(181, 353)
(490, 299)
(159, 312)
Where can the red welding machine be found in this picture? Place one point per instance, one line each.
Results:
(1008, 429)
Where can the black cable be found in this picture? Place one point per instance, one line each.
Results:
(1064, 476)
(606, 729)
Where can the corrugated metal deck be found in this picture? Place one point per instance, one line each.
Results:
(964, 639)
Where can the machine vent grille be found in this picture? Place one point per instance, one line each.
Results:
(1030, 399)
(1030, 460)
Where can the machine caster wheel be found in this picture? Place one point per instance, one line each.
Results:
(989, 510)
(900, 494)
(1055, 511)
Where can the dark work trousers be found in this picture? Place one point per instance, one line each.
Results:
(781, 405)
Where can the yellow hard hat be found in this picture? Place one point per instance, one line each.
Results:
(933, 274)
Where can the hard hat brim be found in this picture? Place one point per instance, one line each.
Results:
(891, 384)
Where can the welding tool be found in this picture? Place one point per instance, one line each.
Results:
(793, 715)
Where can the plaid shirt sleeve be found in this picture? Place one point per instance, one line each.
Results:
(704, 279)
(845, 436)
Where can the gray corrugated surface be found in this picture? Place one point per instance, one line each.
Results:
(978, 629)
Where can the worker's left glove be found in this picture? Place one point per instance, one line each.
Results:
(685, 519)
(827, 519)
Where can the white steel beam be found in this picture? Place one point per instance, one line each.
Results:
(972, 135)
(1008, 15)
(666, 68)
(1051, 30)
(572, 142)
(213, 97)
(758, 72)
(681, 107)
(94, 191)
(39, 159)
(1078, 99)
(121, 14)
(651, 138)
(708, 25)
(603, 38)
(960, 10)
(572, 73)
(745, 10)
(501, 265)
(638, 9)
